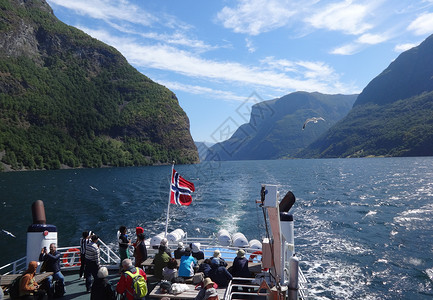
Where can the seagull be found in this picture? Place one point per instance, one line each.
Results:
(93, 188)
(313, 119)
(8, 233)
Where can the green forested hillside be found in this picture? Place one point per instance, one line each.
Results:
(403, 128)
(393, 116)
(68, 99)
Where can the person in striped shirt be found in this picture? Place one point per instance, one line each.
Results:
(92, 261)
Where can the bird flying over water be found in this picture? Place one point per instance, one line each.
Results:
(93, 188)
(8, 233)
(313, 119)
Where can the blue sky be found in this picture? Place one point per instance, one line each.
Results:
(221, 57)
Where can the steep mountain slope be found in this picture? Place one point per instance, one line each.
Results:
(275, 127)
(393, 116)
(68, 99)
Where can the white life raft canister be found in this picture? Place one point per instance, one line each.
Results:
(224, 237)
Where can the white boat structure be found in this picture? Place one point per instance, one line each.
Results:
(278, 275)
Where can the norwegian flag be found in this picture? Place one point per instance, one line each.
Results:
(181, 189)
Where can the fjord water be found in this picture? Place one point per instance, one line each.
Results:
(363, 226)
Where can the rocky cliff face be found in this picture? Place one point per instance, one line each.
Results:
(275, 127)
(58, 83)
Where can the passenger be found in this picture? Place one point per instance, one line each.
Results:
(219, 274)
(170, 271)
(217, 257)
(205, 267)
(160, 261)
(208, 291)
(101, 288)
(52, 264)
(240, 265)
(124, 243)
(164, 243)
(29, 289)
(180, 251)
(92, 261)
(84, 241)
(125, 283)
(140, 251)
(187, 264)
(196, 252)
(138, 230)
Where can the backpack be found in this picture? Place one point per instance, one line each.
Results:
(139, 284)
(14, 289)
(59, 289)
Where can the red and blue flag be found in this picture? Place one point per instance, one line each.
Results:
(181, 189)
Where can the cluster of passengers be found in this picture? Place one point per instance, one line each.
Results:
(166, 267)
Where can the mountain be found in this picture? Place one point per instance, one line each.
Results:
(69, 100)
(203, 149)
(393, 116)
(275, 127)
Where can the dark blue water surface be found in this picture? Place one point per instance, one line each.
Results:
(363, 226)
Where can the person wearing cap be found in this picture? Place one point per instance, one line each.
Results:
(101, 288)
(138, 230)
(208, 291)
(180, 251)
(187, 264)
(140, 250)
(28, 287)
(240, 265)
(196, 252)
(217, 257)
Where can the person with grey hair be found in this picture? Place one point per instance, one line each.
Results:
(101, 288)
(125, 284)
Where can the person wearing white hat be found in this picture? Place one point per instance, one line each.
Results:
(218, 259)
(196, 252)
(180, 251)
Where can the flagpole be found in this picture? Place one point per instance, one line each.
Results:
(169, 196)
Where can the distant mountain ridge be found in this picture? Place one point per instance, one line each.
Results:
(275, 127)
(68, 100)
(393, 116)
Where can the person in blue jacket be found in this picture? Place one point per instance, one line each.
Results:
(187, 264)
(52, 264)
(219, 274)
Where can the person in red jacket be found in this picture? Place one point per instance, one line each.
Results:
(125, 282)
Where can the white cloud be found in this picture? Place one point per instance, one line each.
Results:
(404, 47)
(250, 45)
(345, 16)
(201, 90)
(256, 16)
(304, 75)
(372, 39)
(422, 25)
(348, 49)
(119, 10)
